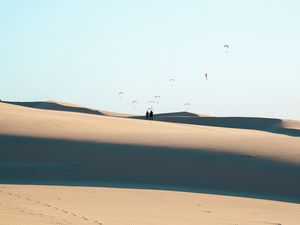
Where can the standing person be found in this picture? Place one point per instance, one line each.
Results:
(151, 115)
(147, 115)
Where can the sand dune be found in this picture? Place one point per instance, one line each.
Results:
(36, 205)
(94, 149)
(279, 126)
(58, 106)
(71, 148)
(63, 106)
(288, 127)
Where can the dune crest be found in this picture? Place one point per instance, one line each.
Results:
(287, 127)
(57, 106)
(279, 126)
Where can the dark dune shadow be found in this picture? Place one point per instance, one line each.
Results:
(252, 123)
(27, 160)
(55, 106)
(288, 131)
(177, 114)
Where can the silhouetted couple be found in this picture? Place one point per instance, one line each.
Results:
(149, 115)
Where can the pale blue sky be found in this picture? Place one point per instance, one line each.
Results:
(86, 51)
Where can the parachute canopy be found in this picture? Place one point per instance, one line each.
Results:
(187, 105)
(134, 102)
(157, 97)
(121, 93)
(226, 47)
(171, 81)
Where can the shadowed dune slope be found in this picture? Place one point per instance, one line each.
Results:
(62, 106)
(52, 147)
(51, 105)
(27, 160)
(279, 126)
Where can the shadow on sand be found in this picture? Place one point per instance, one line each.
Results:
(252, 123)
(26, 160)
(55, 106)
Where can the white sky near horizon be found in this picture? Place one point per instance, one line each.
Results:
(85, 52)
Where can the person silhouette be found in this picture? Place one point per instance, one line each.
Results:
(151, 115)
(147, 115)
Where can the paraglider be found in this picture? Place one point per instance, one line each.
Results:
(172, 81)
(134, 102)
(157, 97)
(226, 47)
(187, 105)
(121, 93)
(151, 103)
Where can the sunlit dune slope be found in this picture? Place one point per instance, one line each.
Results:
(47, 205)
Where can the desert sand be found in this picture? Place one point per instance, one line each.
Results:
(35, 205)
(200, 169)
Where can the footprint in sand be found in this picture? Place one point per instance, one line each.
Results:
(84, 218)
(206, 211)
(64, 211)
